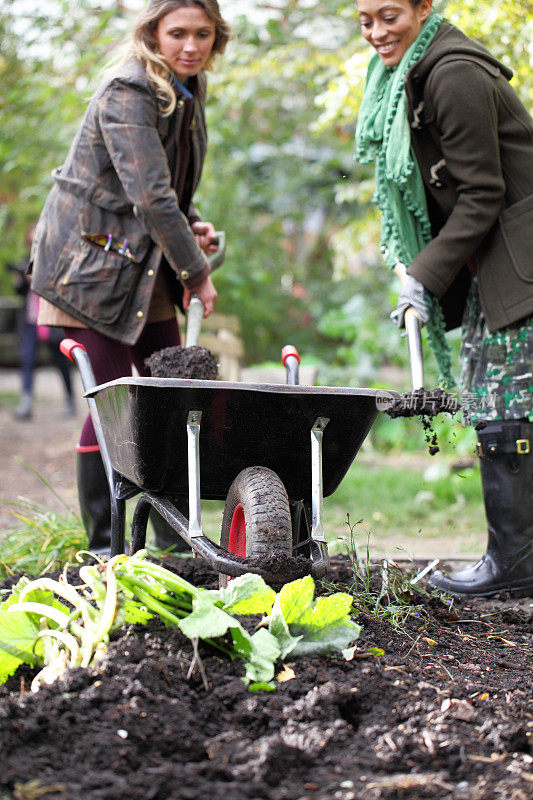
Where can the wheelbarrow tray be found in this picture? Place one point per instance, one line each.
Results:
(144, 423)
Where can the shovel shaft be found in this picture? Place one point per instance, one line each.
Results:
(196, 310)
(414, 343)
(195, 315)
(414, 338)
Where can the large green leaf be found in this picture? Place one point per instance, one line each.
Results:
(248, 594)
(278, 627)
(262, 659)
(206, 621)
(322, 626)
(18, 634)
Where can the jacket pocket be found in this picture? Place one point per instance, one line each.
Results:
(99, 224)
(516, 224)
(93, 281)
(505, 269)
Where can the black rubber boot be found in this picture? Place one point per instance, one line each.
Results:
(95, 503)
(506, 462)
(165, 535)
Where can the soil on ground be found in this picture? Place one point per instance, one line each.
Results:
(439, 708)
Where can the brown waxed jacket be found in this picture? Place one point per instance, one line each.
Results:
(473, 141)
(119, 180)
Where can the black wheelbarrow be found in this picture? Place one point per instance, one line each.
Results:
(271, 451)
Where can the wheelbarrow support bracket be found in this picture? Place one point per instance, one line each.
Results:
(317, 491)
(193, 443)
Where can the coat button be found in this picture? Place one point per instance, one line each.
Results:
(180, 103)
(150, 272)
(184, 275)
(140, 314)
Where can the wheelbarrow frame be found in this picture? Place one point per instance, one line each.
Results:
(306, 532)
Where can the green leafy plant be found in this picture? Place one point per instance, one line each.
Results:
(55, 625)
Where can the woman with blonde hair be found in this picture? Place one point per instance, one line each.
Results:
(119, 242)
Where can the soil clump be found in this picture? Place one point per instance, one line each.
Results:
(194, 363)
(426, 405)
(439, 706)
(285, 568)
(422, 402)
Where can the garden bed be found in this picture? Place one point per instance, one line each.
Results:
(439, 709)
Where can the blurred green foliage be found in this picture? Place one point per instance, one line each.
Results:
(302, 264)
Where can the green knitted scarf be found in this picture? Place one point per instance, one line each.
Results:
(383, 135)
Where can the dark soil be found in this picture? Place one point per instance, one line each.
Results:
(281, 567)
(195, 363)
(444, 712)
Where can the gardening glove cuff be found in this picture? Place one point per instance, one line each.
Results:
(412, 296)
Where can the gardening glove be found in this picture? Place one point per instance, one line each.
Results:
(411, 296)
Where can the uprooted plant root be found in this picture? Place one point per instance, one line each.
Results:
(196, 363)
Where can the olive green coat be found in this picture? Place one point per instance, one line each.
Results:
(473, 141)
(119, 179)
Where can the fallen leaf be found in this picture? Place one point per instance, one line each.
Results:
(286, 674)
(459, 709)
(349, 653)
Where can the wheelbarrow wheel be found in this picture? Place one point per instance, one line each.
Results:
(257, 516)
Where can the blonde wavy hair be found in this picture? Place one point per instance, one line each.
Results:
(143, 44)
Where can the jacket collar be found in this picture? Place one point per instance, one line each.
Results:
(450, 42)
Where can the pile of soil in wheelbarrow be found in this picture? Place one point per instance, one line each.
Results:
(439, 708)
(195, 363)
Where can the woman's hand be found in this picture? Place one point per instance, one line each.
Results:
(205, 236)
(412, 295)
(205, 291)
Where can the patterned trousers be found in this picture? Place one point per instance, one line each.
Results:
(496, 368)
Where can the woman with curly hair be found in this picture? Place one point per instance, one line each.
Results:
(453, 149)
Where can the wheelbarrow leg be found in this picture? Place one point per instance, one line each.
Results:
(118, 523)
(138, 525)
(192, 528)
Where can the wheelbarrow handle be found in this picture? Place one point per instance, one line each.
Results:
(290, 358)
(77, 353)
